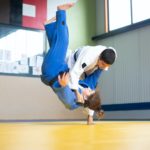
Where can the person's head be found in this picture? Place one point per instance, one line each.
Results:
(106, 58)
(94, 102)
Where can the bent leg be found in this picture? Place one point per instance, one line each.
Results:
(61, 37)
(50, 30)
(54, 61)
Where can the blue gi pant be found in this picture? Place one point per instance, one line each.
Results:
(54, 61)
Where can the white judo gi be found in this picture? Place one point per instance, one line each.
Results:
(83, 61)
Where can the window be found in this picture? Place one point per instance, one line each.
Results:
(141, 10)
(126, 12)
(119, 15)
(21, 51)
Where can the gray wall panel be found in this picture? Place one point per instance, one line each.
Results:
(128, 80)
(144, 41)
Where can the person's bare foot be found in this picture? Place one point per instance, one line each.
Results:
(50, 20)
(65, 6)
(60, 7)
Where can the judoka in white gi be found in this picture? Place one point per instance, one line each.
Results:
(89, 61)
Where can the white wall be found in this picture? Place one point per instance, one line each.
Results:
(25, 98)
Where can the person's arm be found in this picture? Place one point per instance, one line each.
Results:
(75, 74)
(63, 81)
(87, 92)
(90, 117)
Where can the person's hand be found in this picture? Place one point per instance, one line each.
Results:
(79, 96)
(87, 92)
(63, 79)
(100, 114)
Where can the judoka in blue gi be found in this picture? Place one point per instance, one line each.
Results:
(55, 69)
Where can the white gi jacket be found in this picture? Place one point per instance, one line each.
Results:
(87, 58)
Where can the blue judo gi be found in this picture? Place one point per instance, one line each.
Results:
(54, 62)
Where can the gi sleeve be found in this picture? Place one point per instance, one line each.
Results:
(90, 112)
(77, 70)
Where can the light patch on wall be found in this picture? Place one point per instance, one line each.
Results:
(29, 10)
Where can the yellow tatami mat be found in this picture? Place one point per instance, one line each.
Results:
(75, 136)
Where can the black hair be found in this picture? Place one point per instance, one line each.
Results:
(108, 56)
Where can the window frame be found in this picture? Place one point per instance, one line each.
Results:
(30, 72)
(133, 26)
